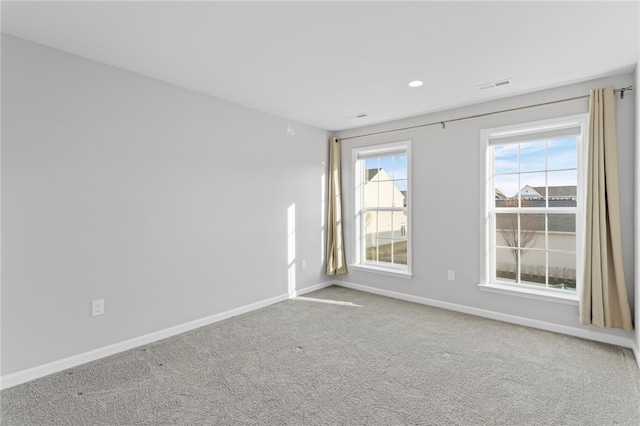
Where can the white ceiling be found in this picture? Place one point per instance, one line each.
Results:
(318, 62)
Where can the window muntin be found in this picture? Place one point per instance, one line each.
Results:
(535, 198)
(382, 197)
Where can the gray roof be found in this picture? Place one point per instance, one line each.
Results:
(568, 191)
(370, 174)
(557, 191)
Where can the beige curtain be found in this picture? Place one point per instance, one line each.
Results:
(603, 300)
(336, 264)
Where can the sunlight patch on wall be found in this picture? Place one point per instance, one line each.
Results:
(323, 190)
(291, 247)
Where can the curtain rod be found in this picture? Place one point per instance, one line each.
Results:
(444, 122)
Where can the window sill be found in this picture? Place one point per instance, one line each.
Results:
(532, 293)
(383, 271)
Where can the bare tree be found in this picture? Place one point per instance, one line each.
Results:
(519, 238)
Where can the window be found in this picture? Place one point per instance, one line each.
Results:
(534, 197)
(382, 199)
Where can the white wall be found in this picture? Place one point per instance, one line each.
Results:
(637, 218)
(447, 227)
(637, 210)
(168, 204)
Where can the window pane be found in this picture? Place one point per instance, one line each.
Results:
(506, 187)
(371, 193)
(506, 269)
(562, 154)
(532, 248)
(370, 226)
(507, 230)
(562, 270)
(533, 192)
(371, 167)
(371, 248)
(371, 235)
(532, 156)
(400, 197)
(386, 166)
(532, 229)
(400, 252)
(562, 188)
(533, 266)
(385, 250)
(386, 193)
(400, 225)
(386, 225)
(505, 158)
(399, 167)
(562, 232)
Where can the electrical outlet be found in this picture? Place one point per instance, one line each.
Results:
(451, 275)
(97, 307)
(303, 264)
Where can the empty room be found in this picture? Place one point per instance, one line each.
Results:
(320, 213)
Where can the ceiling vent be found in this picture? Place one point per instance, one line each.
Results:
(500, 83)
(357, 116)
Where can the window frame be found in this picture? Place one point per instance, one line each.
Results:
(358, 156)
(523, 130)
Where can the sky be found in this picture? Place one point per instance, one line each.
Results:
(517, 165)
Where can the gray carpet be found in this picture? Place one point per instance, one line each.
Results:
(385, 362)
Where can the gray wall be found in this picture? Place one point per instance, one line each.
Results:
(447, 201)
(168, 204)
(173, 206)
(637, 211)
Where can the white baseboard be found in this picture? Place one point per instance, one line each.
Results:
(75, 360)
(636, 352)
(562, 329)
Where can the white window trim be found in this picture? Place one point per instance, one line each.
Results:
(549, 295)
(523, 290)
(383, 271)
(357, 264)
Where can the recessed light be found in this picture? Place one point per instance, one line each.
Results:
(415, 83)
